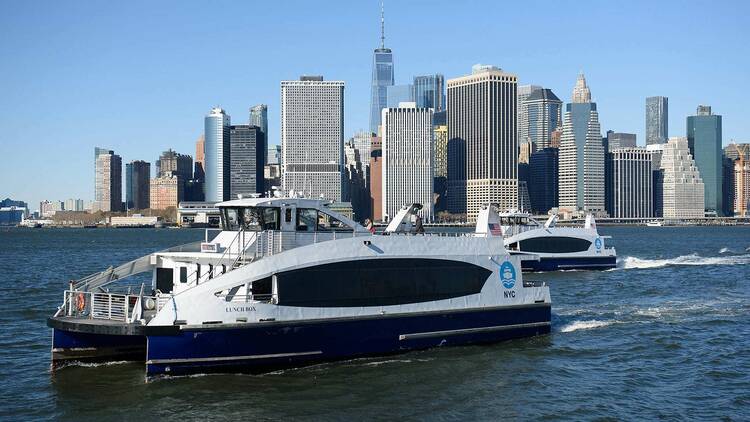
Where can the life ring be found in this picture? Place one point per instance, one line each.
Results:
(80, 302)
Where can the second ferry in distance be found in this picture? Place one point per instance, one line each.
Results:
(557, 248)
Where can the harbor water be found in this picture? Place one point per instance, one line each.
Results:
(666, 335)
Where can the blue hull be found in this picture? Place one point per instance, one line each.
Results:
(272, 345)
(574, 263)
(81, 346)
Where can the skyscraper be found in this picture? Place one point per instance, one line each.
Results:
(617, 140)
(704, 141)
(216, 135)
(376, 178)
(382, 77)
(137, 185)
(200, 159)
(657, 120)
(524, 91)
(682, 185)
(259, 117)
(179, 164)
(166, 191)
(633, 183)
(429, 92)
(108, 181)
(543, 179)
(581, 154)
(312, 136)
(396, 94)
(482, 117)
(247, 155)
(741, 187)
(407, 159)
(543, 114)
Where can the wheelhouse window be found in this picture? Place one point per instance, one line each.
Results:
(330, 223)
(251, 219)
(307, 219)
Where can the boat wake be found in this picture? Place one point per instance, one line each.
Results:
(584, 325)
(631, 262)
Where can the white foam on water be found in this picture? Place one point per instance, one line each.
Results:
(584, 325)
(724, 250)
(94, 364)
(631, 262)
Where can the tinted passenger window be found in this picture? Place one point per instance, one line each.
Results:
(555, 244)
(379, 282)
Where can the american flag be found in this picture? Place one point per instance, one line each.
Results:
(496, 229)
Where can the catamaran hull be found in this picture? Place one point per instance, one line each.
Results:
(92, 341)
(571, 263)
(260, 347)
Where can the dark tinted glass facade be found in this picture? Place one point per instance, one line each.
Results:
(247, 155)
(379, 282)
(543, 180)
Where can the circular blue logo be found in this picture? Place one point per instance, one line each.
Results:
(598, 243)
(507, 275)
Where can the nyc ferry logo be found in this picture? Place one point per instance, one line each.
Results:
(507, 275)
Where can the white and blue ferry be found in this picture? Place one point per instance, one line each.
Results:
(557, 248)
(288, 282)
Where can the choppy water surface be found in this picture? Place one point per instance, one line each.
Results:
(664, 336)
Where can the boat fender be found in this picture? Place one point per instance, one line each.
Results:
(80, 302)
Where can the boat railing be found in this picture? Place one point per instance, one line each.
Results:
(102, 305)
(272, 242)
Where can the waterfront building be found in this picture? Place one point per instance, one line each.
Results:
(617, 140)
(407, 171)
(199, 172)
(542, 186)
(73, 204)
(742, 188)
(312, 136)
(7, 202)
(171, 161)
(524, 199)
(167, 190)
(48, 208)
(522, 125)
(704, 141)
(376, 178)
(657, 179)
(108, 181)
(382, 77)
(247, 156)
(10, 216)
(633, 183)
(543, 114)
(259, 118)
(581, 162)
(482, 140)
(216, 133)
(137, 177)
(397, 94)
(429, 92)
(682, 185)
(440, 154)
(657, 120)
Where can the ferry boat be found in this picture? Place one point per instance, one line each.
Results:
(289, 282)
(557, 248)
(654, 223)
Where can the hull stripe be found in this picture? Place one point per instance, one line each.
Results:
(231, 358)
(430, 334)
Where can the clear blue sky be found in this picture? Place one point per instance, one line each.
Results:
(138, 77)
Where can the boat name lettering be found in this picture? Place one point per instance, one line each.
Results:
(240, 309)
(509, 294)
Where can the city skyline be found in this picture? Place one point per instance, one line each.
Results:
(119, 90)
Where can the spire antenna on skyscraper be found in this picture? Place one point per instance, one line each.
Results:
(382, 25)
